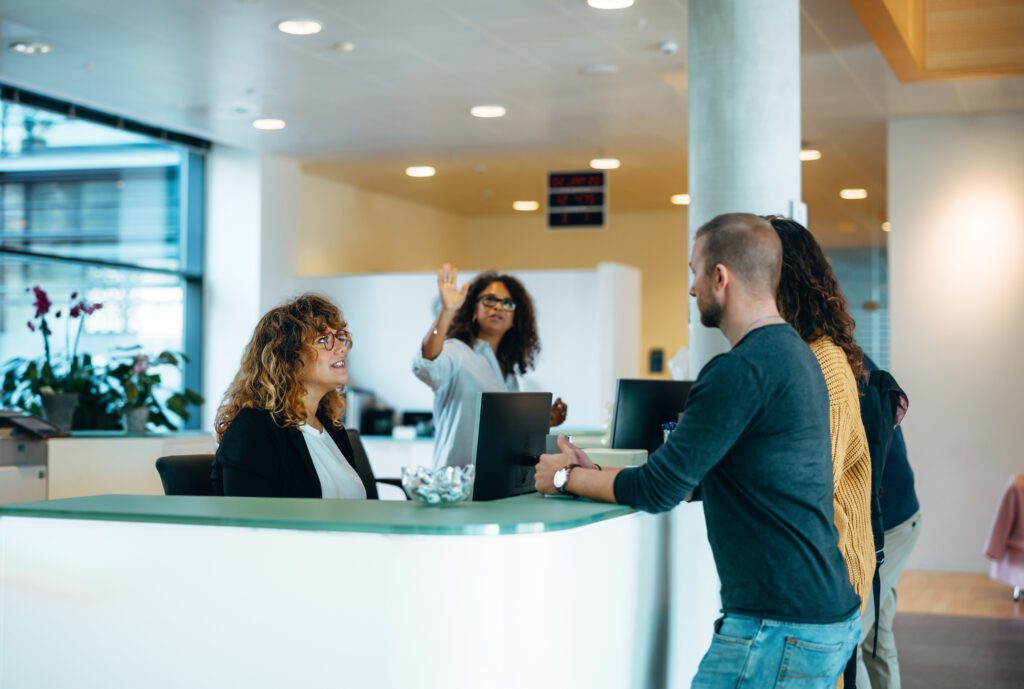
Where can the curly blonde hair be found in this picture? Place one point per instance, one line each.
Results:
(272, 362)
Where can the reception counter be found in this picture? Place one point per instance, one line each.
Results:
(129, 591)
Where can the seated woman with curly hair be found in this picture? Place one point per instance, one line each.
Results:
(279, 425)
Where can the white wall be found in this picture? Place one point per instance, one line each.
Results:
(251, 220)
(230, 275)
(581, 344)
(280, 182)
(956, 263)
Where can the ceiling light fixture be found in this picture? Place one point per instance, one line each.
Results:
(681, 199)
(810, 154)
(525, 206)
(853, 194)
(487, 111)
(605, 163)
(30, 48)
(343, 47)
(420, 171)
(268, 124)
(610, 4)
(886, 226)
(599, 69)
(299, 27)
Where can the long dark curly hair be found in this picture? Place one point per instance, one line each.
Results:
(520, 346)
(809, 297)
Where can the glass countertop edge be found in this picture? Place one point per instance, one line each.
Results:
(480, 529)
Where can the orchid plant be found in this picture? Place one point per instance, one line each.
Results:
(26, 380)
(105, 394)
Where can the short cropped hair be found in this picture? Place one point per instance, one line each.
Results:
(747, 245)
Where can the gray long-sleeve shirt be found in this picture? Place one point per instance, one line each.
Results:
(755, 436)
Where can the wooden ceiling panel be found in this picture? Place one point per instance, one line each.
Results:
(945, 39)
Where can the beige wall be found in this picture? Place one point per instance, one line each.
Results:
(653, 242)
(344, 230)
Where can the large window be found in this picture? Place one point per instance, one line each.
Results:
(110, 213)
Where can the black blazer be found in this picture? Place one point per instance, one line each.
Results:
(258, 458)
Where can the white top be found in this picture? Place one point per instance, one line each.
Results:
(457, 376)
(337, 477)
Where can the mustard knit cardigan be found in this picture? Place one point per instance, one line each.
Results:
(851, 467)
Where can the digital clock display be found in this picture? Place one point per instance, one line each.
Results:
(576, 199)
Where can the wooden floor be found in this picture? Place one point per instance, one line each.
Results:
(956, 594)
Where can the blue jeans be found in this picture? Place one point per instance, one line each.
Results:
(753, 653)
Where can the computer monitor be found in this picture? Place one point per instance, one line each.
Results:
(511, 428)
(641, 406)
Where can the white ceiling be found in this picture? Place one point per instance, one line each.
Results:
(207, 67)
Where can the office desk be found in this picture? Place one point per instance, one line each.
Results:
(141, 591)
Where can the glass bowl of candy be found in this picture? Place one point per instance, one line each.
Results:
(442, 486)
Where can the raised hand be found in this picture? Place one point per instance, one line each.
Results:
(451, 296)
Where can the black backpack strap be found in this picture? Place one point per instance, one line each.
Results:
(850, 673)
(876, 590)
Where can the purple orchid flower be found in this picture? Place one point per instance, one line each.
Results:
(42, 302)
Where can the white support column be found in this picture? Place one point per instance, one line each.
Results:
(744, 144)
(744, 135)
(251, 227)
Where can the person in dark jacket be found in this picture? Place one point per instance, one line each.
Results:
(279, 424)
(901, 518)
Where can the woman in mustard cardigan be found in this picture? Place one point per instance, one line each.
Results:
(810, 300)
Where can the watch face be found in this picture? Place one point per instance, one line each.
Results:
(561, 476)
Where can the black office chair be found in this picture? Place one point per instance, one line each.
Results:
(185, 474)
(359, 452)
(190, 474)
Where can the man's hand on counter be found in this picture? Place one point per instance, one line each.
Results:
(586, 479)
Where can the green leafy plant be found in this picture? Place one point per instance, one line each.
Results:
(135, 376)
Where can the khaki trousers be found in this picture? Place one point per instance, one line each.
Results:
(883, 671)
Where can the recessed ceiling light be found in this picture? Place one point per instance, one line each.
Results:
(487, 111)
(343, 47)
(681, 199)
(420, 171)
(30, 48)
(269, 124)
(810, 154)
(599, 69)
(525, 206)
(886, 226)
(853, 194)
(299, 27)
(610, 4)
(605, 163)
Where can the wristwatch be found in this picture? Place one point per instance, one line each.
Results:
(561, 479)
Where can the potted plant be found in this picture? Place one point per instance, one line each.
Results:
(57, 384)
(135, 377)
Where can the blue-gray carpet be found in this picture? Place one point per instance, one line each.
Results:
(940, 652)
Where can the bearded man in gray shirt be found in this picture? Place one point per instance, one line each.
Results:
(755, 438)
